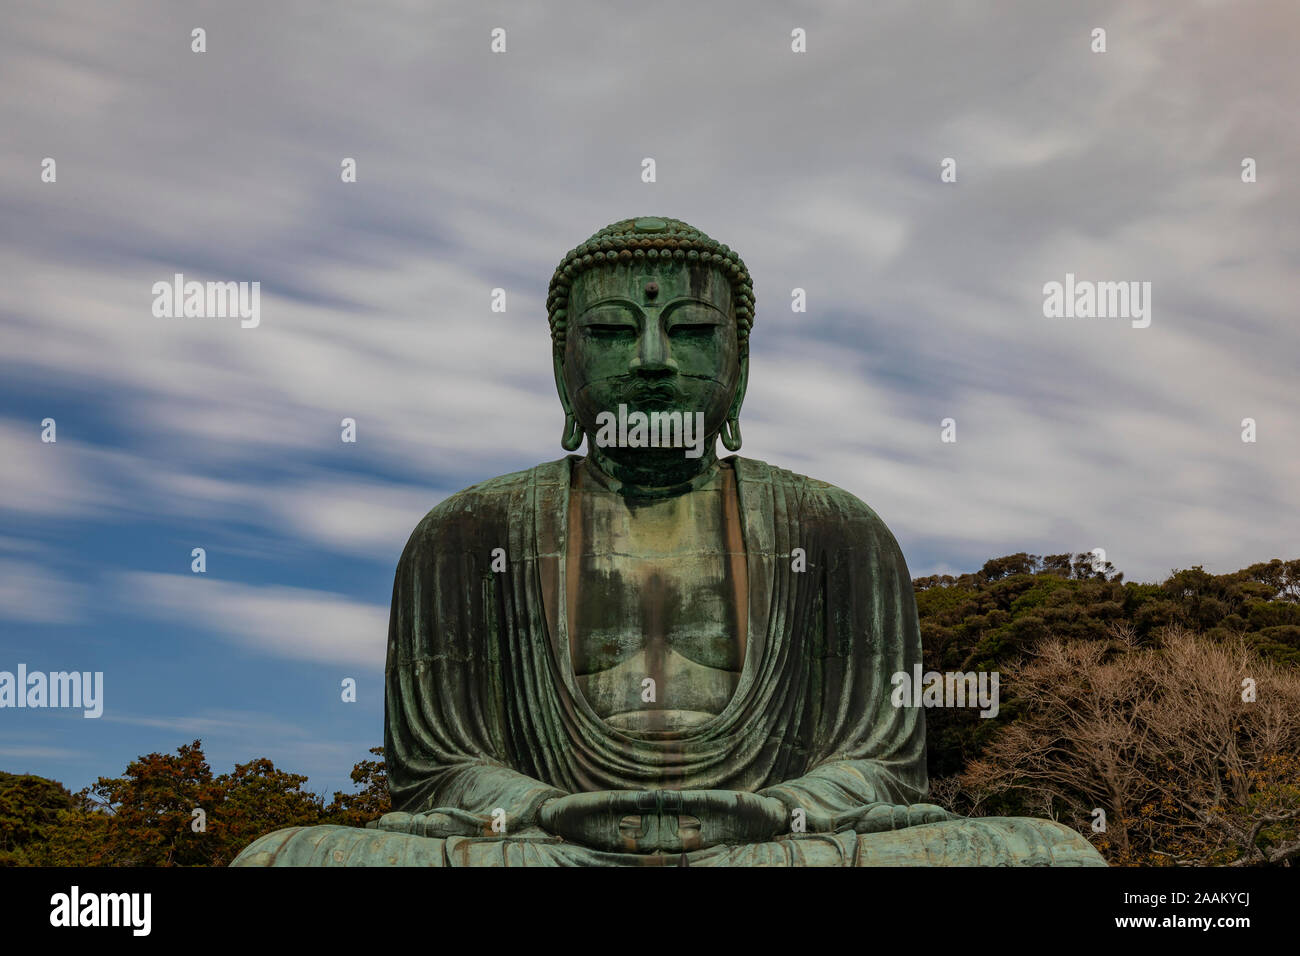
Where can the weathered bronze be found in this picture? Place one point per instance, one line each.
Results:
(647, 655)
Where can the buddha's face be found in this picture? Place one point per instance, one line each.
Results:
(654, 337)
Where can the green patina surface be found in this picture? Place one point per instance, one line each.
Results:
(680, 660)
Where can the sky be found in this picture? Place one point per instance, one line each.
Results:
(478, 170)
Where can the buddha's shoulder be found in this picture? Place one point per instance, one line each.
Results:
(491, 501)
(816, 500)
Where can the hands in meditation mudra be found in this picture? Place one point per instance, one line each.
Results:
(650, 655)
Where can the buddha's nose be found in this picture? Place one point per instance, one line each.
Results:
(653, 357)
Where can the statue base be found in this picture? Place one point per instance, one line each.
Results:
(981, 841)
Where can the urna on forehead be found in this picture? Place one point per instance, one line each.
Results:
(650, 284)
(645, 245)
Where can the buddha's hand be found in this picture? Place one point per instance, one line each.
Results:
(696, 819)
(663, 821)
(879, 817)
(593, 819)
(442, 822)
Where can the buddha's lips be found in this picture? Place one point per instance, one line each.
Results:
(649, 394)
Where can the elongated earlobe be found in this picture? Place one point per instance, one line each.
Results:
(730, 434)
(572, 437)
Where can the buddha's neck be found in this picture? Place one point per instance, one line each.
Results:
(652, 475)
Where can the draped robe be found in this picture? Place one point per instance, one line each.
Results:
(483, 715)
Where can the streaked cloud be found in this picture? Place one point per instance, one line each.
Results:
(294, 623)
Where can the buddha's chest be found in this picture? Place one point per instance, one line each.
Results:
(656, 608)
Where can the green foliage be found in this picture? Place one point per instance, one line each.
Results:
(30, 810)
(147, 816)
(988, 619)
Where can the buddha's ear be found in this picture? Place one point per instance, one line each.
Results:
(733, 414)
(572, 437)
(560, 385)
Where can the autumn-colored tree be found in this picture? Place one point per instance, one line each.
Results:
(1188, 747)
(171, 810)
(256, 799)
(152, 809)
(371, 802)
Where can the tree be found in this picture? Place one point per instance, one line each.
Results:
(31, 810)
(1164, 740)
(152, 806)
(990, 619)
(256, 799)
(371, 802)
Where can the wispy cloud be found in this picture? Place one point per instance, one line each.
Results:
(31, 593)
(294, 623)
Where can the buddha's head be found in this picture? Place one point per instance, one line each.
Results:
(652, 315)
